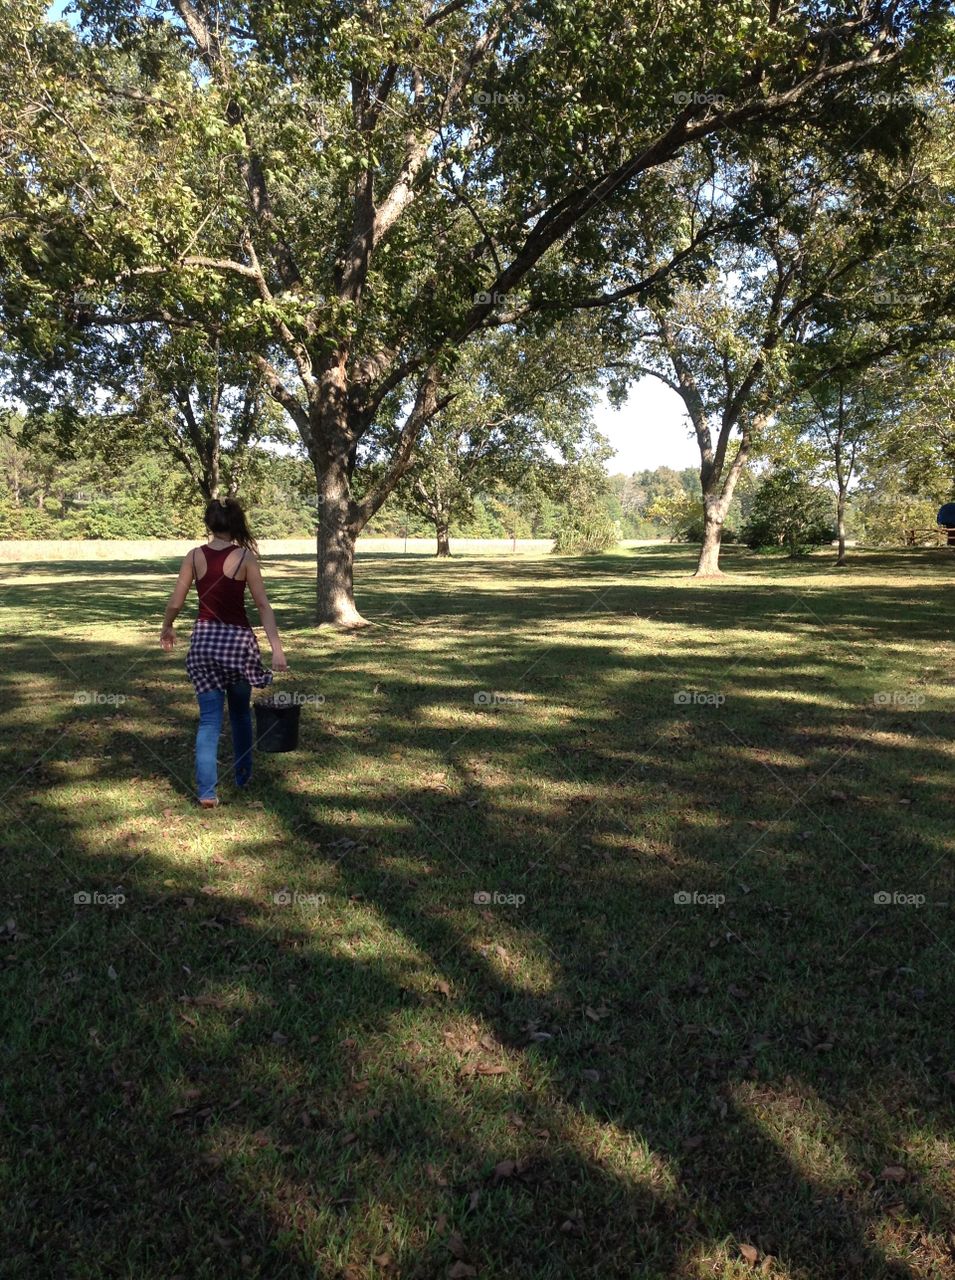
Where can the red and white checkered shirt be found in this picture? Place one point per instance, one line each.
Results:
(220, 653)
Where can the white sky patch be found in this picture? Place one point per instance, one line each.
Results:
(650, 430)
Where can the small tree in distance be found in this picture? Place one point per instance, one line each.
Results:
(681, 515)
(520, 408)
(789, 510)
(588, 525)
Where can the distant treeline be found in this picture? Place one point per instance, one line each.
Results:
(44, 495)
(143, 496)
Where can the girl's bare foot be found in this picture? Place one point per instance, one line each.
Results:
(209, 804)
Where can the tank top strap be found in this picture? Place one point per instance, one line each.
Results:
(238, 566)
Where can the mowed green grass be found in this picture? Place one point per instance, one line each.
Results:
(684, 1039)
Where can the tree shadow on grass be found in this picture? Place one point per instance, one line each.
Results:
(685, 1095)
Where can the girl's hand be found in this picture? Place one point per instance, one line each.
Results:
(167, 638)
(279, 661)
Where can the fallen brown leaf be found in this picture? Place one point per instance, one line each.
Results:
(483, 1069)
(455, 1245)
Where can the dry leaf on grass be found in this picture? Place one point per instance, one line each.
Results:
(594, 1014)
(505, 1169)
(456, 1246)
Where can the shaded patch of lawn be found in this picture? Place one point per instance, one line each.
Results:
(557, 950)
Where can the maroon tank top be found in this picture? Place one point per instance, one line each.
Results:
(220, 597)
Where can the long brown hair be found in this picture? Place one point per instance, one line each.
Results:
(227, 520)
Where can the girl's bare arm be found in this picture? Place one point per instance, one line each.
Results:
(167, 637)
(257, 587)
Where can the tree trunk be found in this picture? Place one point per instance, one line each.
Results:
(714, 512)
(444, 543)
(213, 472)
(842, 480)
(337, 534)
(841, 526)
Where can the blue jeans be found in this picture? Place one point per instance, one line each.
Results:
(211, 710)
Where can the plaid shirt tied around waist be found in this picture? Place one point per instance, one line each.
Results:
(221, 653)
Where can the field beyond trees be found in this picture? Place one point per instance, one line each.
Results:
(601, 926)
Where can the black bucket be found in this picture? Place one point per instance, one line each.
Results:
(276, 723)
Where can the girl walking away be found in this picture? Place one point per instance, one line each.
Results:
(223, 661)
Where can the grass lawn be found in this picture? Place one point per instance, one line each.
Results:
(680, 1036)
